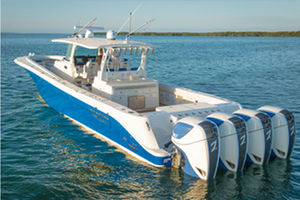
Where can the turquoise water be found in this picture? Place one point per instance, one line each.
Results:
(47, 156)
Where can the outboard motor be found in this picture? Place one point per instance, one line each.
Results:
(283, 128)
(259, 135)
(197, 139)
(233, 140)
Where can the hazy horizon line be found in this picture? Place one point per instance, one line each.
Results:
(160, 32)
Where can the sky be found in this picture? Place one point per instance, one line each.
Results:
(59, 16)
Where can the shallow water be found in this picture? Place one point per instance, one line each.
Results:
(47, 156)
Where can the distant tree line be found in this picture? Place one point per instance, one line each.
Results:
(229, 34)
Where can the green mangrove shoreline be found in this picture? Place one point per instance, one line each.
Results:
(224, 34)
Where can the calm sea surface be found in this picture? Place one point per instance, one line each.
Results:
(47, 156)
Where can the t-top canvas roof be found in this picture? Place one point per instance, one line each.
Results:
(96, 43)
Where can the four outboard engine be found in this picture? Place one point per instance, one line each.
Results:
(283, 128)
(233, 140)
(226, 140)
(198, 141)
(259, 135)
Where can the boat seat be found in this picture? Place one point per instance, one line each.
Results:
(124, 64)
(90, 69)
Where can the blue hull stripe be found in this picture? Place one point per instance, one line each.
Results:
(93, 118)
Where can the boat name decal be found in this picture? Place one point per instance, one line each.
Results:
(98, 114)
(133, 148)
